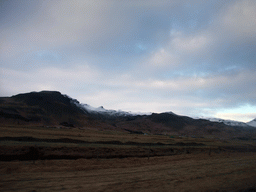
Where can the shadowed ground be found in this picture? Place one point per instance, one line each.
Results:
(50, 159)
(186, 172)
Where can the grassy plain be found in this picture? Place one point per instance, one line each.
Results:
(102, 166)
(92, 135)
(198, 172)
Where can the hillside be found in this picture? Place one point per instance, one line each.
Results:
(51, 108)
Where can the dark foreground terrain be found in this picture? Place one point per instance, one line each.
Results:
(51, 159)
(187, 172)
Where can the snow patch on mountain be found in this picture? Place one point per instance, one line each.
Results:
(101, 110)
(226, 122)
(252, 123)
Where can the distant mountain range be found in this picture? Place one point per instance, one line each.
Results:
(230, 122)
(102, 110)
(51, 108)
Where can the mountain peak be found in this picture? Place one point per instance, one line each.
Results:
(49, 92)
(252, 123)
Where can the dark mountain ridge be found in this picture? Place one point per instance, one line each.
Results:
(45, 107)
(51, 108)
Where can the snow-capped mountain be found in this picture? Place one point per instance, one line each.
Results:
(227, 122)
(51, 108)
(252, 123)
(113, 113)
(102, 111)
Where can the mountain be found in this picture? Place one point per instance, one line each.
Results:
(228, 122)
(252, 123)
(104, 112)
(51, 108)
(46, 108)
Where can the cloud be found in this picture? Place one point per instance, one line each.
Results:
(188, 93)
(244, 112)
(50, 78)
(230, 41)
(189, 44)
(182, 50)
(239, 19)
(192, 94)
(181, 56)
(102, 26)
(235, 116)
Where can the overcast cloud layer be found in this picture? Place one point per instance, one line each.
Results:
(194, 58)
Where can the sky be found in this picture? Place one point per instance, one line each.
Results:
(192, 57)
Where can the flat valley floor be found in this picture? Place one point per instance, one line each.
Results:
(184, 172)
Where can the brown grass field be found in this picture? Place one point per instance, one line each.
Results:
(217, 165)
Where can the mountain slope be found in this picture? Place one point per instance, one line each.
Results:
(228, 122)
(51, 108)
(43, 108)
(252, 123)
